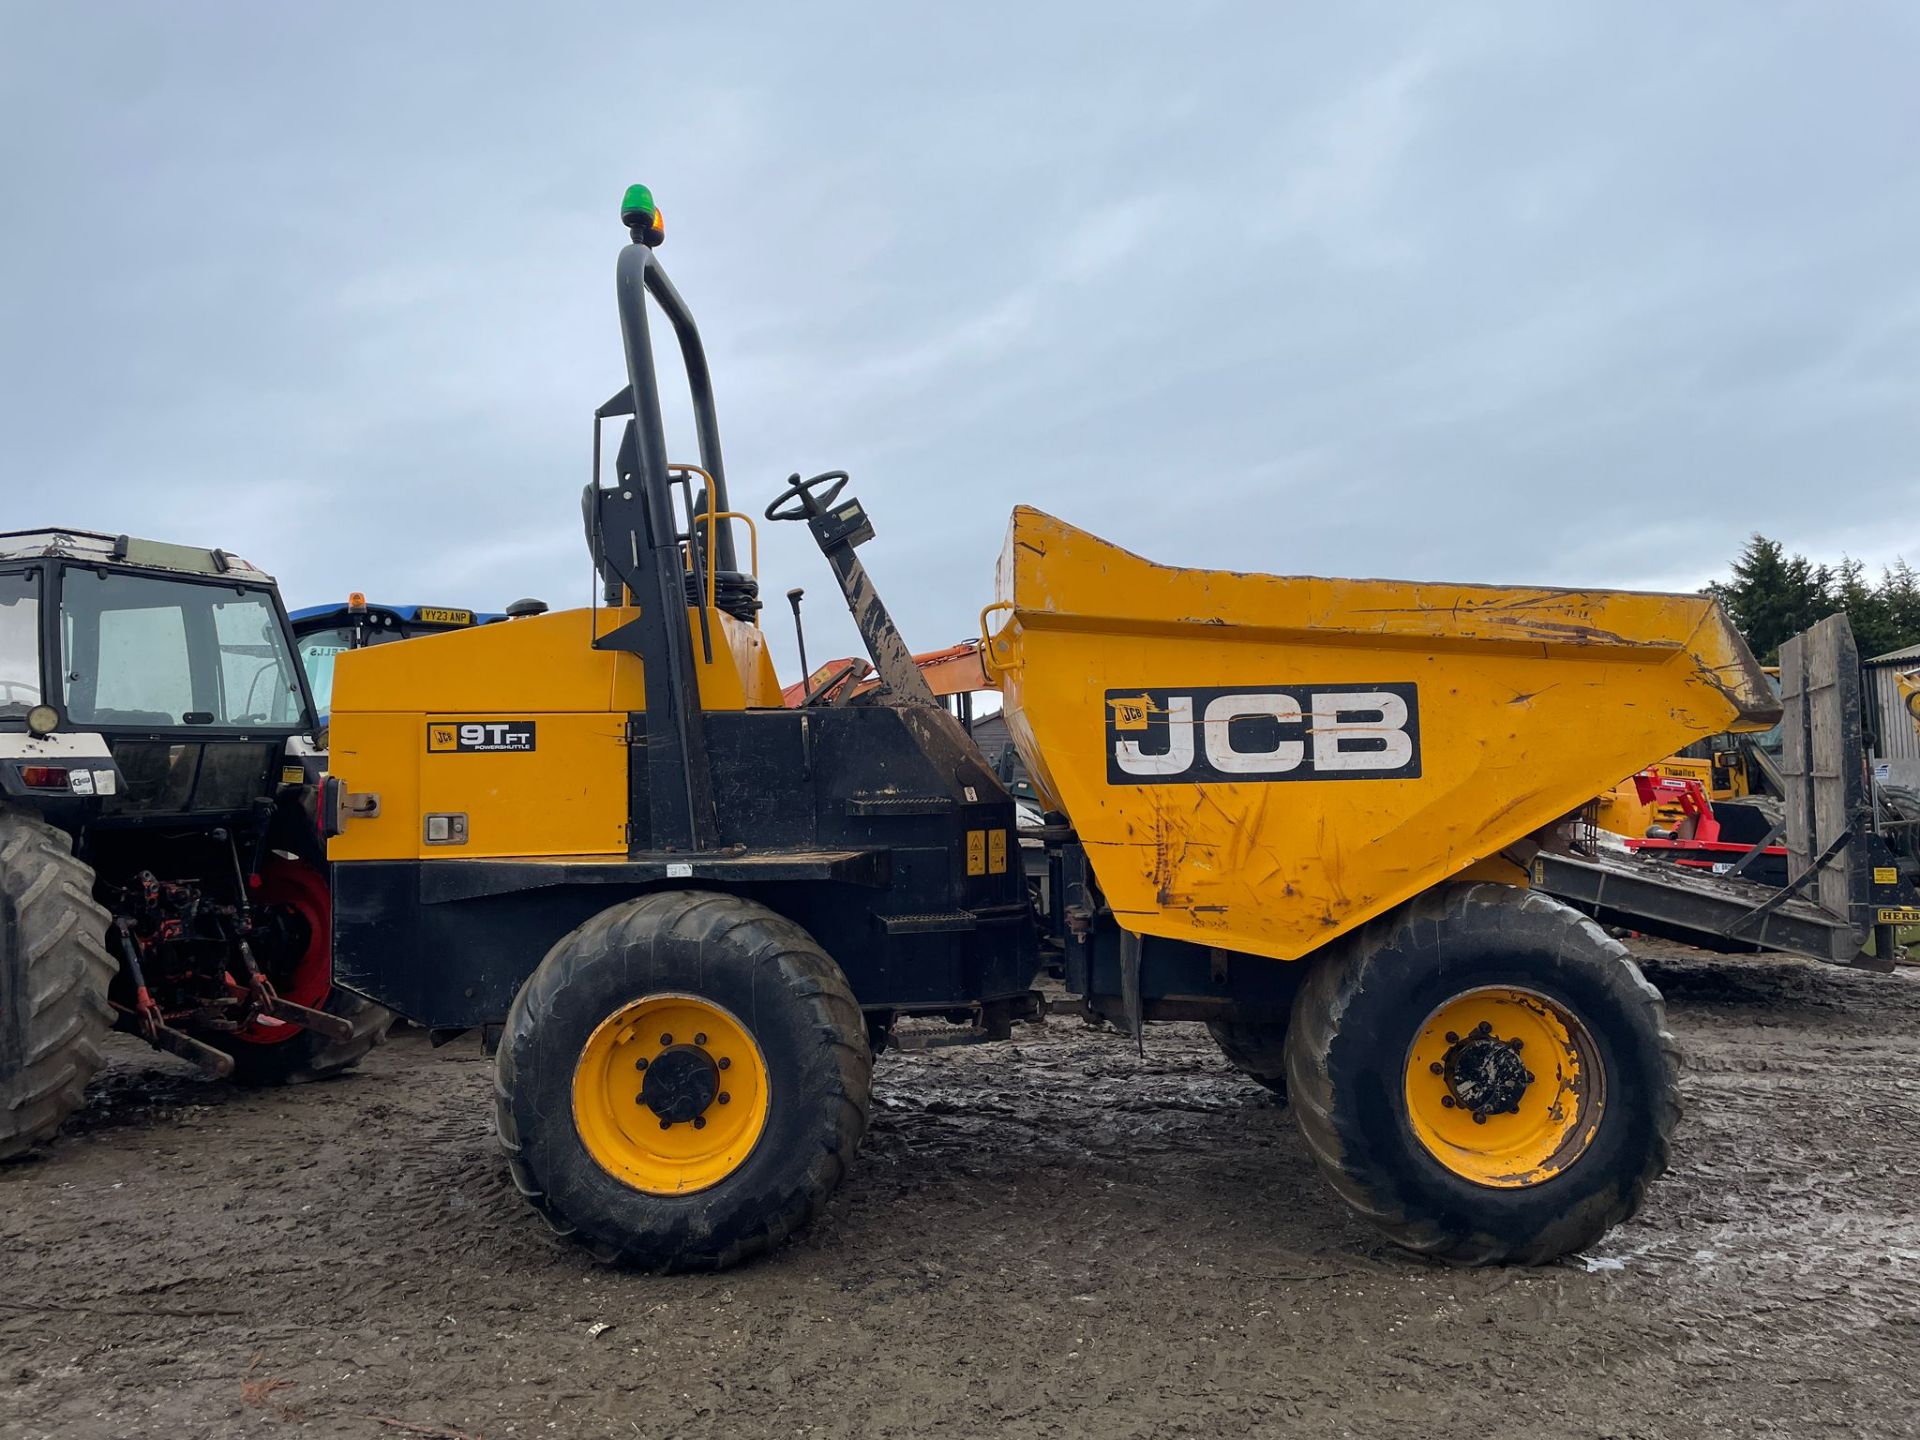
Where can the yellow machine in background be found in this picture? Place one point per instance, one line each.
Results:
(1737, 767)
(1732, 770)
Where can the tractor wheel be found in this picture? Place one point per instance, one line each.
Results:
(1485, 1075)
(1902, 804)
(682, 1081)
(1257, 1050)
(1749, 819)
(1770, 808)
(293, 897)
(54, 974)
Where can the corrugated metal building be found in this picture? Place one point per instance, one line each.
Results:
(1896, 742)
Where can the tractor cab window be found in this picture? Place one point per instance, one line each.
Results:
(320, 648)
(137, 650)
(19, 643)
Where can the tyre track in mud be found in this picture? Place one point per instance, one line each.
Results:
(1049, 1238)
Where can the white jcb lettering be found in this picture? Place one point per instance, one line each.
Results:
(1287, 733)
(1179, 744)
(1334, 729)
(1223, 710)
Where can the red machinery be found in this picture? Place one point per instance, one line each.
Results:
(1695, 842)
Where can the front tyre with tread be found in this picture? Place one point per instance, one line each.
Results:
(688, 949)
(1352, 1055)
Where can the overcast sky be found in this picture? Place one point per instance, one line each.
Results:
(1571, 294)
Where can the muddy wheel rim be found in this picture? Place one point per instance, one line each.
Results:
(1504, 1086)
(670, 1094)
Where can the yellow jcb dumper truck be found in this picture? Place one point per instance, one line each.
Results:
(1298, 809)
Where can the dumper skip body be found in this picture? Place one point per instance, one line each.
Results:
(1263, 762)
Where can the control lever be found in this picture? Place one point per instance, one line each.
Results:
(799, 633)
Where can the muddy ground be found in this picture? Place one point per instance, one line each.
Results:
(1050, 1239)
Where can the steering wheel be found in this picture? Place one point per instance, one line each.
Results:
(29, 688)
(798, 502)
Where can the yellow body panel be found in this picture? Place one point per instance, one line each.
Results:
(546, 663)
(400, 713)
(1520, 704)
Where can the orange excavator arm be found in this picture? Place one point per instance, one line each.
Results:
(952, 671)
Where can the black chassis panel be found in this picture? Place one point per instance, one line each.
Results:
(851, 821)
(1176, 978)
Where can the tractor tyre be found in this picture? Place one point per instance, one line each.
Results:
(682, 1082)
(1485, 1075)
(266, 1054)
(54, 974)
(1749, 819)
(307, 1056)
(1770, 808)
(1902, 804)
(1256, 1049)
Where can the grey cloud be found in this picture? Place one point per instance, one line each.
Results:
(1570, 294)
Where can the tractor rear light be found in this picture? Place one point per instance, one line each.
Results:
(43, 777)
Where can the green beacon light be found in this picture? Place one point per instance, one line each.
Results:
(642, 217)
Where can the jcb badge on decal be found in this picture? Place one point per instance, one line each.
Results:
(1280, 732)
(479, 736)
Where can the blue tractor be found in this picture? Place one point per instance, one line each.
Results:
(324, 632)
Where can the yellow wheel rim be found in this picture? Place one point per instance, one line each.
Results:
(1504, 1087)
(670, 1095)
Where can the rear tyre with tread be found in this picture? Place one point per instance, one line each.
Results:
(1351, 1066)
(54, 974)
(792, 1006)
(1256, 1049)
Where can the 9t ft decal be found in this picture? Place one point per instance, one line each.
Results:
(479, 736)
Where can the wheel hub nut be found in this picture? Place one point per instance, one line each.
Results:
(680, 1083)
(1486, 1074)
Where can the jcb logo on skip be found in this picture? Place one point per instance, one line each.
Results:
(1281, 732)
